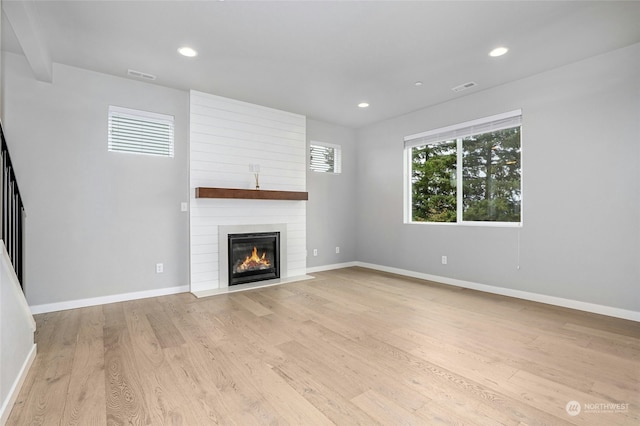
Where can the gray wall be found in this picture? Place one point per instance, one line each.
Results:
(16, 323)
(581, 192)
(331, 207)
(97, 222)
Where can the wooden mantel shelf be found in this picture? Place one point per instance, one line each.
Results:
(250, 194)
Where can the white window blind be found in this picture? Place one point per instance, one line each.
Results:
(140, 132)
(463, 130)
(325, 157)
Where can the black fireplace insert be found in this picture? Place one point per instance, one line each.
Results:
(253, 257)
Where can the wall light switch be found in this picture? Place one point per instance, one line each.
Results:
(184, 207)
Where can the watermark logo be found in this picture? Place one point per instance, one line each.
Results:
(573, 408)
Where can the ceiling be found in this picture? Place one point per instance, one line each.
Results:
(322, 58)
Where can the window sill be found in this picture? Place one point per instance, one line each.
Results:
(470, 224)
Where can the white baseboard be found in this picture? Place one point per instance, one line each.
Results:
(330, 267)
(82, 303)
(519, 294)
(7, 404)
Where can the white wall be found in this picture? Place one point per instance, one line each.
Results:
(17, 349)
(97, 222)
(331, 209)
(226, 136)
(581, 188)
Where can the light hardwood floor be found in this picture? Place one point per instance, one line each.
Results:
(352, 346)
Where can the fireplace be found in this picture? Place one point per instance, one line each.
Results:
(253, 257)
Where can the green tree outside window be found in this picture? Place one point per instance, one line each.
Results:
(491, 179)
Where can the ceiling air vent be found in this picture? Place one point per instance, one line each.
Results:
(465, 86)
(140, 74)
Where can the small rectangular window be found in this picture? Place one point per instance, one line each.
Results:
(140, 132)
(325, 157)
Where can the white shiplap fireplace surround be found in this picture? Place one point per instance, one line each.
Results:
(226, 137)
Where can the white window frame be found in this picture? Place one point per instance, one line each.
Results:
(337, 157)
(144, 136)
(458, 132)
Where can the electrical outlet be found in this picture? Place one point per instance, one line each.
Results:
(159, 268)
(337, 250)
(315, 252)
(444, 260)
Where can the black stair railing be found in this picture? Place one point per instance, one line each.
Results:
(12, 211)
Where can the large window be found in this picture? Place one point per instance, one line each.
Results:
(466, 173)
(140, 132)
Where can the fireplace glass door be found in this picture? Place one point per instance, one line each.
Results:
(253, 257)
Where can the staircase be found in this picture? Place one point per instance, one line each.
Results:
(12, 211)
(17, 326)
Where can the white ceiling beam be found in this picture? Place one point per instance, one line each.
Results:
(23, 17)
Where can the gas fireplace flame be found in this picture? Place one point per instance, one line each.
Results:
(254, 262)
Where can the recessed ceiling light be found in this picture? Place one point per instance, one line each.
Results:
(418, 83)
(187, 51)
(498, 51)
(363, 105)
